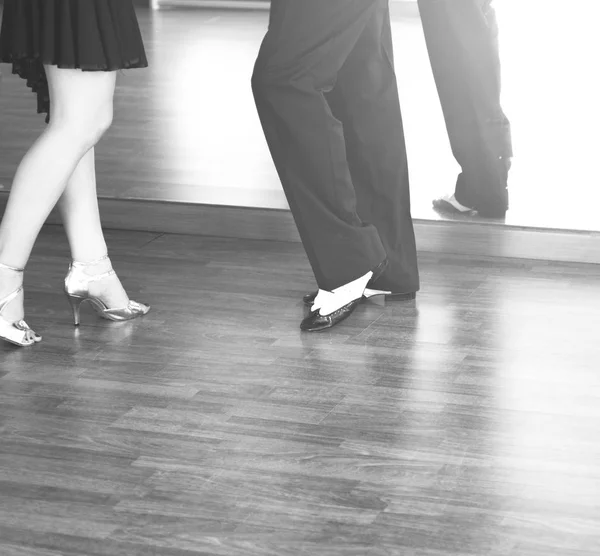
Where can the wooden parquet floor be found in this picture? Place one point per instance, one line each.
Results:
(463, 423)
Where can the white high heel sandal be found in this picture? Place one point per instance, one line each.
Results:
(77, 290)
(18, 333)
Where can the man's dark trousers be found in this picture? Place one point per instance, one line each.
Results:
(327, 97)
(462, 40)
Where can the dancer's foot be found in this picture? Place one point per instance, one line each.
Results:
(13, 328)
(329, 302)
(11, 280)
(104, 283)
(369, 293)
(331, 308)
(97, 283)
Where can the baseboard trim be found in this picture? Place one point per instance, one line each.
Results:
(480, 239)
(240, 4)
(221, 4)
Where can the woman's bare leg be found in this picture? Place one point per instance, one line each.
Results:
(81, 112)
(79, 210)
(81, 218)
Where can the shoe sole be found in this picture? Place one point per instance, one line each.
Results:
(448, 208)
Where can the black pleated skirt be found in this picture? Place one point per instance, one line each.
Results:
(91, 35)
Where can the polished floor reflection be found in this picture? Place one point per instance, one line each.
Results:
(187, 130)
(463, 423)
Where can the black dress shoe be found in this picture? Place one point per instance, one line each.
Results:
(309, 298)
(315, 322)
(378, 271)
(394, 296)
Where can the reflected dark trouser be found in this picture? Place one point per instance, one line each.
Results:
(462, 40)
(327, 97)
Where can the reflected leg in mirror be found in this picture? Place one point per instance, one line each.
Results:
(462, 41)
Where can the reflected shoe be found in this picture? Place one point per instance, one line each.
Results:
(77, 290)
(449, 205)
(18, 333)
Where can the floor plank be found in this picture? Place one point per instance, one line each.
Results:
(462, 423)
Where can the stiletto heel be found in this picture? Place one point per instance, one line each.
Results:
(75, 303)
(77, 289)
(18, 333)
